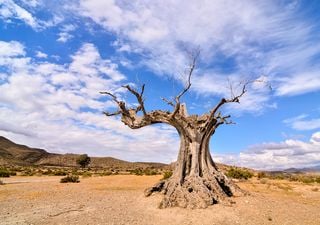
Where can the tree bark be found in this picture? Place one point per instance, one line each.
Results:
(196, 181)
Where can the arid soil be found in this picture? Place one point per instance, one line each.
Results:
(120, 200)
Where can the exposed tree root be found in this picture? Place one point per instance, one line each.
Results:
(196, 191)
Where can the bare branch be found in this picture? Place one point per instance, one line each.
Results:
(234, 98)
(114, 98)
(168, 101)
(139, 98)
(192, 66)
(194, 56)
(112, 114)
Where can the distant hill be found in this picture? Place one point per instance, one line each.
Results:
(22, 155)
(12, 153)
(303, 170)
(16, 154)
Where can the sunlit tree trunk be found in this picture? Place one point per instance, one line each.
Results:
(196, 181)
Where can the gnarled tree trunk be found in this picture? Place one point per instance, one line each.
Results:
(196, 181)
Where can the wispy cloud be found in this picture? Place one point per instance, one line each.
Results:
(303, 122)
(10, 10)
(65, 35)
(252, 37)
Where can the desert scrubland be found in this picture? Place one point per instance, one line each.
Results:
(119, 199)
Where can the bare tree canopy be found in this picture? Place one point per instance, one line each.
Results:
(196, 181)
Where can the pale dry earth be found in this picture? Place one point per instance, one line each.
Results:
(119, 200)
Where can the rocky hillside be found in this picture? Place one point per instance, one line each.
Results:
(12, 153)
(16, 154)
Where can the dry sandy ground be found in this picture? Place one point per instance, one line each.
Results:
(119, 200)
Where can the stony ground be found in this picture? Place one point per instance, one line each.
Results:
(119, 200)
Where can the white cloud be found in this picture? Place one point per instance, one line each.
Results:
(60, 108)
(9, 9)
(12, 48)
(257, 37)
(31, 3)
(272, 156)
(40, 54)
(25, 11)
(303, 122)
(65, 35)
(299, 83)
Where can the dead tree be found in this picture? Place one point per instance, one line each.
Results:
(196, 181)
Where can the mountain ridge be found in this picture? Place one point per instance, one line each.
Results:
(12, 153)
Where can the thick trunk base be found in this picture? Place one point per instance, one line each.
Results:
(196, 191)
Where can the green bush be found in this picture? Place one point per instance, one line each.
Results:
(83, 160)
(70, 179)
(239, 173)
(4, 173)
(12, 173)
(150, 172)
(167, 175)
(137, 172)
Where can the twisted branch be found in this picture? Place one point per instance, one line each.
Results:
(139, 97)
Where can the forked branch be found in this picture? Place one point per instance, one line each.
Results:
(195, 56)
(139, 97)
(122, 106)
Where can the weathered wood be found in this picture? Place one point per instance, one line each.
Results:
(196, 181)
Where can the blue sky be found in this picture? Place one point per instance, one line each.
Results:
(55, 57)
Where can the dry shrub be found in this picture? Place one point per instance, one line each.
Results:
(263, 181)
(70, 179)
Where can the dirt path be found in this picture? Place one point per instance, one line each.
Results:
(119, 200)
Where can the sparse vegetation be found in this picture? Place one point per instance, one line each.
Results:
(86, 174)
(306, 179)
(28, 172)
(299, 177)
(261, 175)
(4, 172)
(238, 173)
(70, 179)
(83, 160)
(107, 173)
(59, 173)
(167, 175)
(140, 172)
